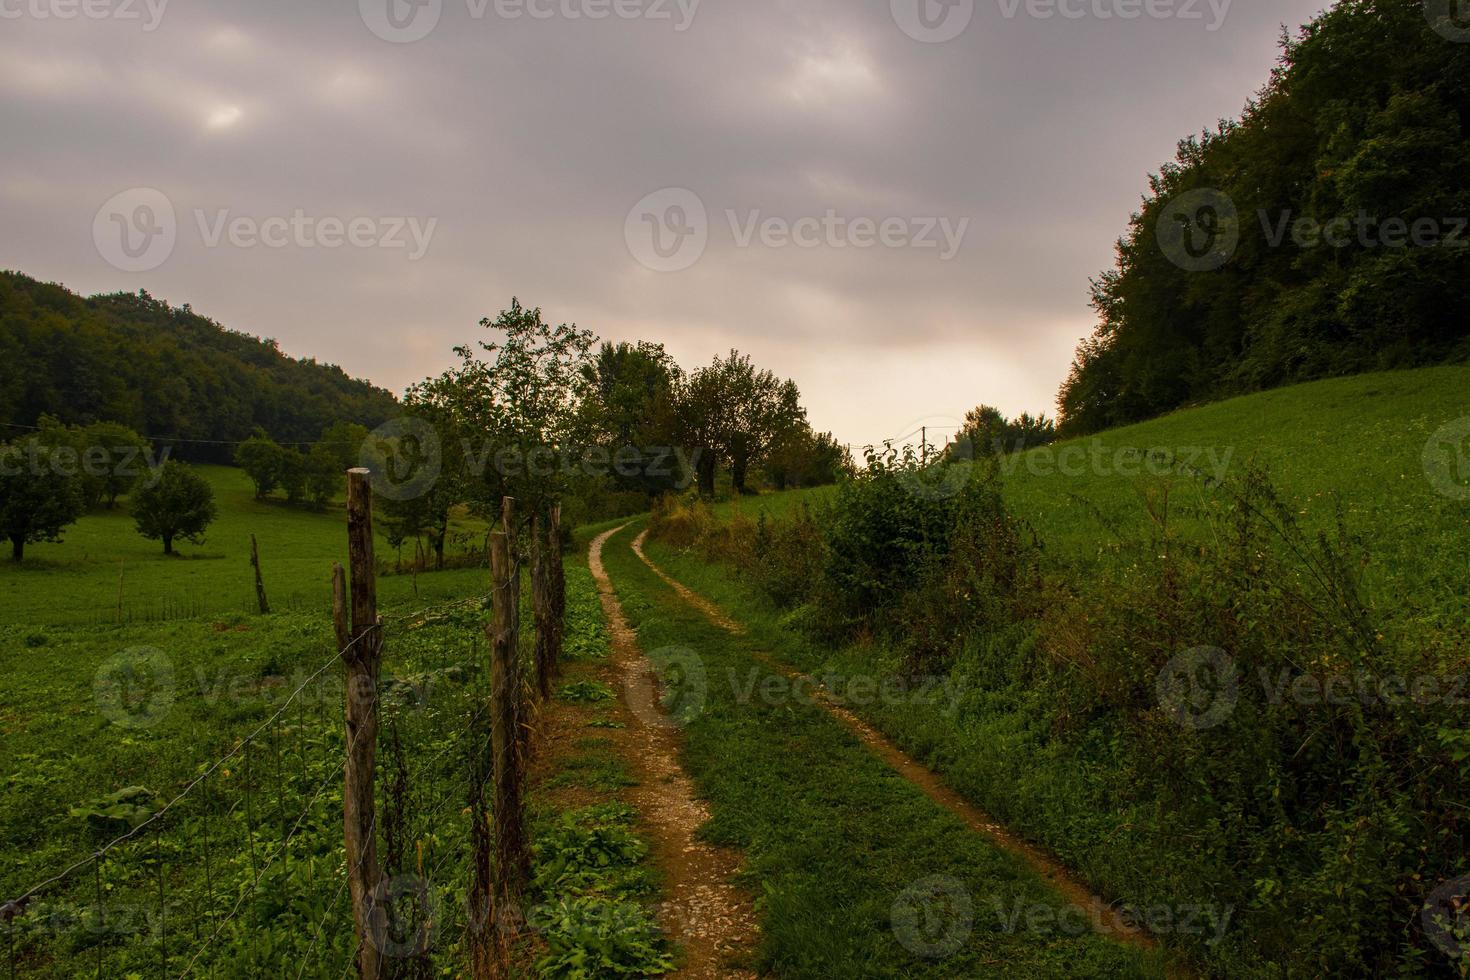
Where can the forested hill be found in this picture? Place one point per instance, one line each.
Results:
(165, 371)
(1323, 233)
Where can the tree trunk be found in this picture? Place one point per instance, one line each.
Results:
(706, 472)
(17, 548)
(168, 544)
(739, 466)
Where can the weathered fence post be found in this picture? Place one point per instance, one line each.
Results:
(362, 655)
(260, 598)
(556, 575)
(512, 862)
(541, 607)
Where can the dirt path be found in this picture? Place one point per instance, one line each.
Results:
(711, 919)
(1068, 885)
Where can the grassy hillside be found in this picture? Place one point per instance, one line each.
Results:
(1359, 442)
(77, 581)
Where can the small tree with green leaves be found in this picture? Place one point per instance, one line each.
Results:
(174, 502)
(263, 460)
(38, 499)
(324, 471)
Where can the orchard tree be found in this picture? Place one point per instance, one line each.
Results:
(121, 455)
(324, 474)
(38, 497)
(758, 408)
(513, 409)
(174, 502)
(263, 460)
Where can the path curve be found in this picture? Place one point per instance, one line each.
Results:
(1098, 911)
(713, 921)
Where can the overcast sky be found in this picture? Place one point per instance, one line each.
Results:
(364, 182)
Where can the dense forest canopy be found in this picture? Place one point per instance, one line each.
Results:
(1323, 233)
(163, 371)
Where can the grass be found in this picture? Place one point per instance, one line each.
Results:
(1357, 441)
(862, 875)
(79, 580)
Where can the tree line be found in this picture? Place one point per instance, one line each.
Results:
(545, 413)
(178, 377)
(1322, 233)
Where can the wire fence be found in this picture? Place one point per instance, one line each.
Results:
(241, 873)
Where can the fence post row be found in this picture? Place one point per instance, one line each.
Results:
(362, 655)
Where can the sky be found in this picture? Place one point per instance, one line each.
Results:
(897, 203)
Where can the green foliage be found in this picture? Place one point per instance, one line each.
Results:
(590, 937)
(263, 461)
(127, 809)
(175, 503)
(586, 692)
(1366, 114)
(163, 371)
(39, 495)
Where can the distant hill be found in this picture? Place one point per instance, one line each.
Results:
(165, 371)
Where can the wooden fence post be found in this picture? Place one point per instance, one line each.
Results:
(260, 598)
(541, 606)
(512, 862)
(362, 656)
(557, 581)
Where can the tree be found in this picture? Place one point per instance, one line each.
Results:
(324, 473)
(122, 454)
(757, 409)
(293, 474)
(521, 409)
(344, 440)
(263, 460)
(174, 503)
(38, 497)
